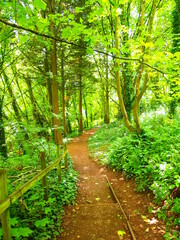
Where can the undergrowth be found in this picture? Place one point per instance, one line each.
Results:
(31, 216)
(151, 158)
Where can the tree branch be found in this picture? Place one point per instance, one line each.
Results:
(76, 45)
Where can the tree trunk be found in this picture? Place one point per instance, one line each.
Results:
(48, 79)
(86, 111)
(63, 92)
(117, 75)
(139, 94)
(14, 103)
(19, 88)
(80, 96)
(107, 93)
(55, 98)
(176, 47)
(36, 114)
(3, 148)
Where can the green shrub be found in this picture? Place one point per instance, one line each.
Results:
(151, 158)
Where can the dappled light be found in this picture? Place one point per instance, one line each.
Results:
(89, 119)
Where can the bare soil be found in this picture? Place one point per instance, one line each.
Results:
(96, 215)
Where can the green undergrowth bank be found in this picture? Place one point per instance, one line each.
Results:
(32, 217)
(152, 159)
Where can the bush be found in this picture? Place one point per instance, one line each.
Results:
(151, 158)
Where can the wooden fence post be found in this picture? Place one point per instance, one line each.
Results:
(44, 179)
(59, 171)
(65, 158)
(5, 216)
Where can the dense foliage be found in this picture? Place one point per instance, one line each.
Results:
(32, 217)
(69, 65)
(151, 158)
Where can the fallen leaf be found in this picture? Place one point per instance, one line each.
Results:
(101, 170)
(88, 201)
(147, 229)
(121, 233)
(122, 179)
(97, 199)
(153, 221)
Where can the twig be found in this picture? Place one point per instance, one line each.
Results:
(117, 200)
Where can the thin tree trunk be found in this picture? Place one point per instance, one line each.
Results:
(37, 116)
(86, 111)
(107, 92)
(19, 88)
(14, 103)
(139, 93)
(3, 148)
(174, 88)
(80, 96)
(63, 92)
(48, 79)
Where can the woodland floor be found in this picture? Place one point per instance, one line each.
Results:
(96, 215)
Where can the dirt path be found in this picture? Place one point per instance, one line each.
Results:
(96, 215)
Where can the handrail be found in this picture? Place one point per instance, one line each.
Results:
(6, 203)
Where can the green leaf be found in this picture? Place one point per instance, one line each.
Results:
(81, 20)
(78, 9)
(39, 4)
(42, 222)
(66, 32)
(13, 221)
(18, 232)
(23, 39)
(89, 51)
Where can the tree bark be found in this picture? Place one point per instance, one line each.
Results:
(14, 103)
(48, 79)
(80, 96)
(63, 92)
(86, 111)
(107, 92)
(139, 93)
(117, 75)
(55, 98)
(3, 148)
(36, 114)
(176, 48)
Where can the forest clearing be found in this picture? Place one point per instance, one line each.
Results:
(89, 119)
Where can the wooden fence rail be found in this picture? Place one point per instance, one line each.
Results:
(7, 200)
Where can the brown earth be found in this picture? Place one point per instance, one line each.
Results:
(96, 215)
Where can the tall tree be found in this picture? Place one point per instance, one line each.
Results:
(55, 96)
(174, 88)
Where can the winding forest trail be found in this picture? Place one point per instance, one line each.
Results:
(96, 215)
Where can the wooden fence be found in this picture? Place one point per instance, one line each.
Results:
(7, 200)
